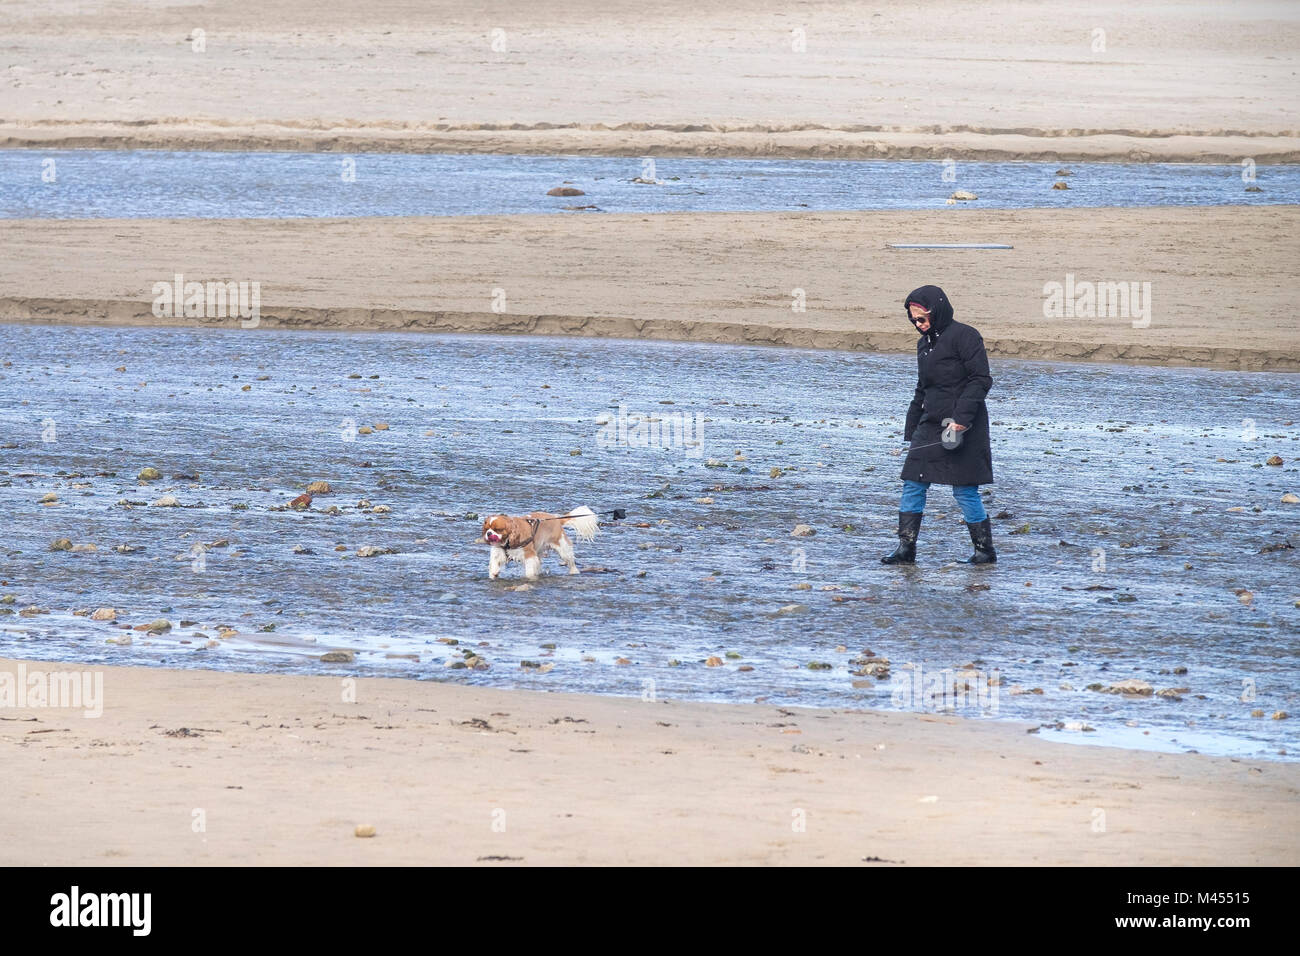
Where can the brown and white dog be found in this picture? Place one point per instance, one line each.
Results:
(527, 538)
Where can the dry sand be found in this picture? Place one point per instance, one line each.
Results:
(282, 771)
(1217, 275)
(1198, 80)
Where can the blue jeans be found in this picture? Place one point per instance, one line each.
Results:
(968, 496)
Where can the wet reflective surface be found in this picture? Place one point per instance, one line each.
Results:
(97, 184)
(1119, 556)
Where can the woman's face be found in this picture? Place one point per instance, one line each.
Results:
(920, 317)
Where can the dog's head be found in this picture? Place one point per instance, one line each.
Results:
(496, 529)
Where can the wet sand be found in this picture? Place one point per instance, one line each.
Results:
(1009, 79)
(1215, 274)
(280, 770)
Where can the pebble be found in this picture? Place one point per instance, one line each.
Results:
(802, 531)
(84, 549)
(1280, 715)
(371, 550)
(962, 195)
(1291, 498)
(166, 501)
(1274, 460)
(364, 830)
(319, 488)
(49, 498)
(104, 614)
(713, 662)
(877, 669)
(1060, 184)
(1130, 686)
(61, 544)
(149, 474)
(338, 657)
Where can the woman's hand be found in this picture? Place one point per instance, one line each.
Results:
(958, 428)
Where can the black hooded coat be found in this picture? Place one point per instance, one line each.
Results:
(952, 380)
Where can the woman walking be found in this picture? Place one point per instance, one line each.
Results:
(947, 425)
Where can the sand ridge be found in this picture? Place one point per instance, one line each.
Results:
(1214, 273)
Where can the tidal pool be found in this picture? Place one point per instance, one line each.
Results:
(1139, 530)
(116, 184)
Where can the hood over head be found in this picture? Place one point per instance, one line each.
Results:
(934, 299)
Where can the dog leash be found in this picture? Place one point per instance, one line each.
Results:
(950, 440)
(618, 513)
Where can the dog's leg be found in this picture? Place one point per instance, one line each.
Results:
(496, 562)
(532, 563)
(564, 548)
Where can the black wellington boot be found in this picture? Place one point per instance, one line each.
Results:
(909, 525)
(981, 535)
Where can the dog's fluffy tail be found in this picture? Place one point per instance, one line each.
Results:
(582, 522)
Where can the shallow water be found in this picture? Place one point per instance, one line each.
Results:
(97, 184)
(1136, 466)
